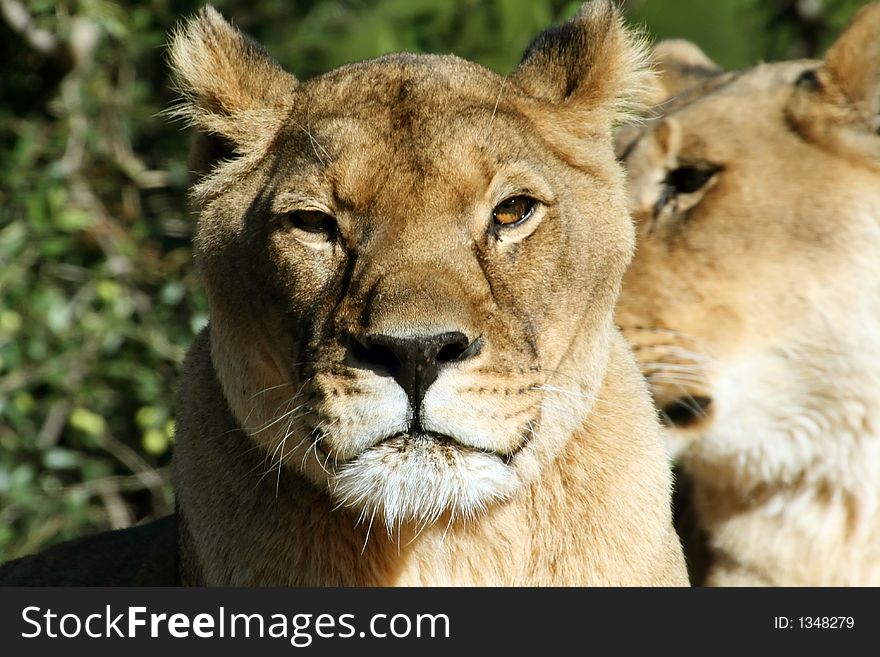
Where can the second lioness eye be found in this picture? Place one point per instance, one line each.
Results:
(689, 179)
(513, 210)
(311, 221)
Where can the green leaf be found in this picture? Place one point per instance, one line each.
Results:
(155, 441)
(86, 421)
(150, 416)
(61, 459)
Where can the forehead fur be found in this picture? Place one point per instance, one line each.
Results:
(723, 87)
(400, 125)
(402, 97)
(405, 72)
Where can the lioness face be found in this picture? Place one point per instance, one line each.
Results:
(412, 279)
(752, 297)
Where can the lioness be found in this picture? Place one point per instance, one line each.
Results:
(411, 374)
(753, 303)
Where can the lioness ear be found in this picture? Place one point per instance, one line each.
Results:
(591, 65)
(853, 62)
(232, 89)
(838, 104)
(680, 64)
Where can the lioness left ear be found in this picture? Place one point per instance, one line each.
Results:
(591, 66)
(838, 104)
(232, 90)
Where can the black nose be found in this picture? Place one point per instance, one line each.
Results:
(685, 411)
(413, 362)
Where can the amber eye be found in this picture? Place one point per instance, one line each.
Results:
(514, 210)
(311, 221)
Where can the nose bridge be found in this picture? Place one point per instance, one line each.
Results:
(427, 294)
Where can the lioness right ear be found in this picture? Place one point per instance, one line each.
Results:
(232, 90)
(591, 68)
(680, 64)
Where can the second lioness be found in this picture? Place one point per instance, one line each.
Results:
(754, 304)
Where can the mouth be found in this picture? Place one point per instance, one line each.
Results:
(418, 475)
(685, 411)
(430, 442)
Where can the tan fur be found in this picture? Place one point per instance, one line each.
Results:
(679, 65)
(758, 295)
(297, 464)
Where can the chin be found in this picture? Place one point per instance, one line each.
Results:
(417, 478)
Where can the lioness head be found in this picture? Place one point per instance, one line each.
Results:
(753, 301)
(411, 261)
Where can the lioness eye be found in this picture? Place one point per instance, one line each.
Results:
(513, 210)
(689, 179)
(311, 221)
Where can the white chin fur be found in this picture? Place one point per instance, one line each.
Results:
(420, 482)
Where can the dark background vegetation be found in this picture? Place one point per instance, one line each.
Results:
(98, 294)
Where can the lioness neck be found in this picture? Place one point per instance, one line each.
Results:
(814, 543)
(241, 526)
(822, 529)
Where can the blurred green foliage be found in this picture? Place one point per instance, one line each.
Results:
(98, 294)
(738, 33)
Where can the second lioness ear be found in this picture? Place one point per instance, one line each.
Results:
(590, 65)
(837, 105)
(232, 90)
(853, 63)
(680, 64)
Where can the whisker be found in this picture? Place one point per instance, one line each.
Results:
(677, 379)
(369, 529)
(270, 388)
(497, 100)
